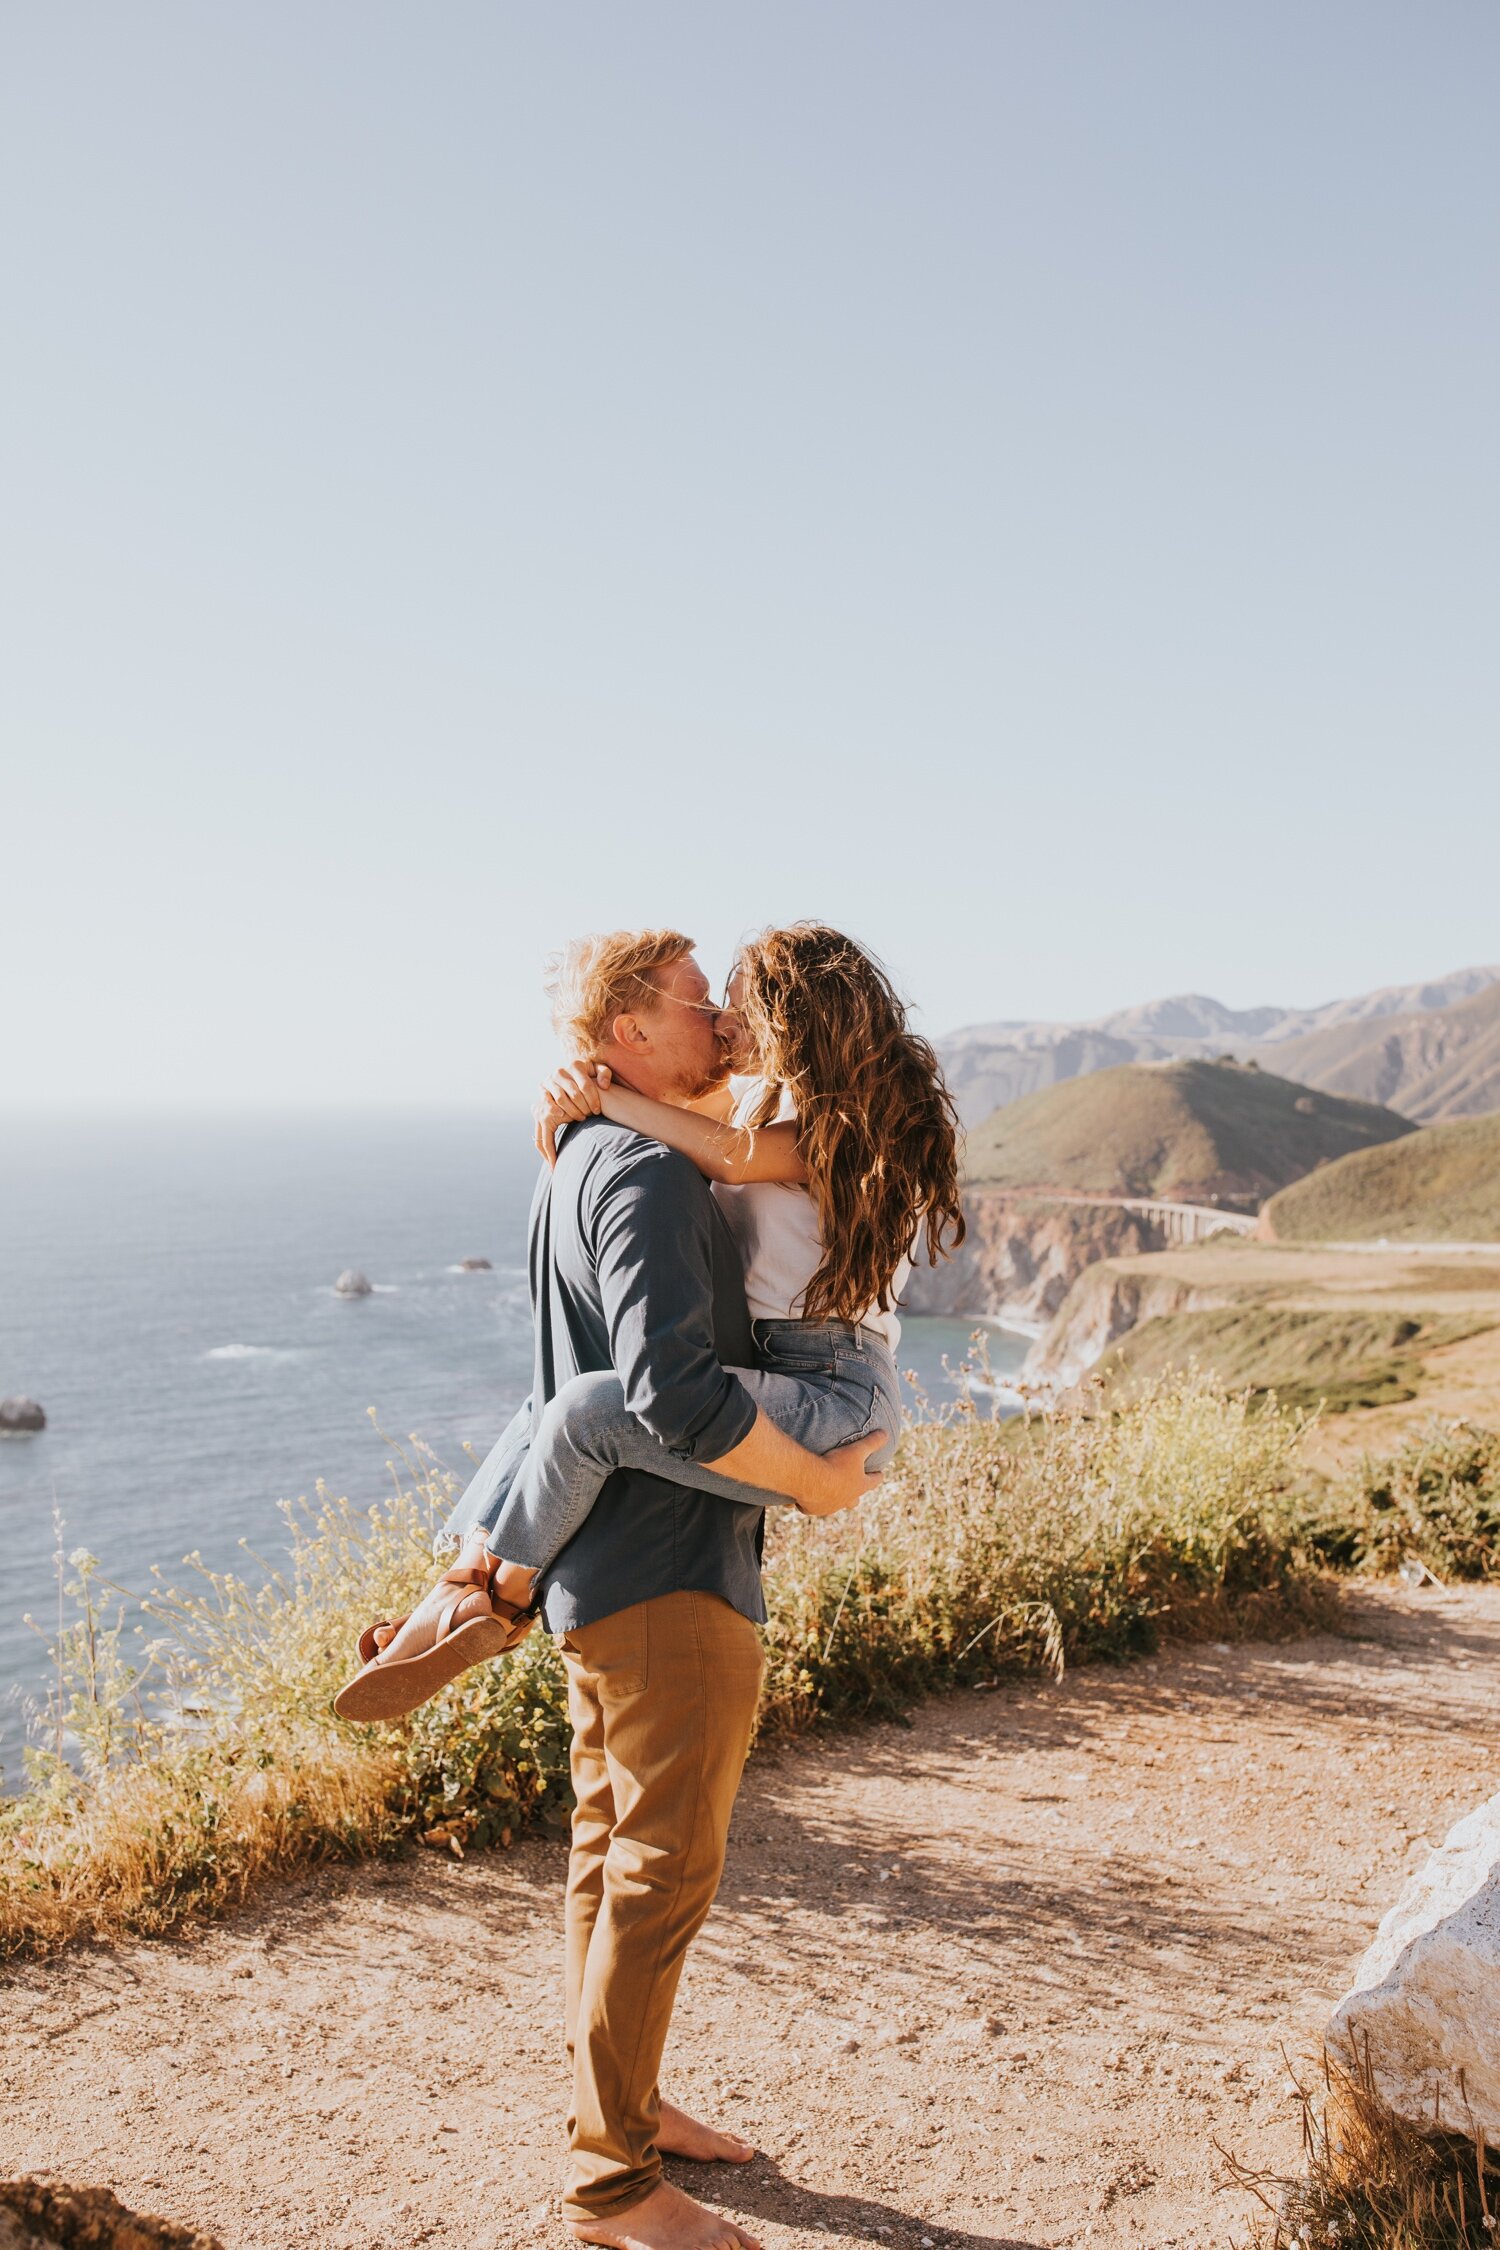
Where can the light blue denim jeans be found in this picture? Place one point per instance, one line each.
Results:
(825, 1383)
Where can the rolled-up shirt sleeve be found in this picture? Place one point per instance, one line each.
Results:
(653, 1257)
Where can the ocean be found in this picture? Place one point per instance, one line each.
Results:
(166, 1291)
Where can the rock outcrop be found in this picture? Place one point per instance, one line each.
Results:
(21, 1414)
(1424, 2013)
(1103, 1305)
(36, 2216)
(1023, 1253)
(475, 1265)
(352, 1283)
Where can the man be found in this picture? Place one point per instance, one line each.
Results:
(657, 1597)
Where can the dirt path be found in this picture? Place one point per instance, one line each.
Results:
(994, 1981)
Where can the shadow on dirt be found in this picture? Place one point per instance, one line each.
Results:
(770, 2193)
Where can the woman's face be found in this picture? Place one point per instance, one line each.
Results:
(729, 1024)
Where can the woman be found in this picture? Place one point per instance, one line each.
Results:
(835, 1162)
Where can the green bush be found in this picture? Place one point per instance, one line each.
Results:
(180, 1775)
(1436, 1501)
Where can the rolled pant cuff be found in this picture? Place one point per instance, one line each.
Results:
(610, 2202)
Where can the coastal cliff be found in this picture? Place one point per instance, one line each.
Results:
(1104, 1304)
(1023, 1253)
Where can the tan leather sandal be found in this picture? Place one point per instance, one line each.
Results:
(387, 1687)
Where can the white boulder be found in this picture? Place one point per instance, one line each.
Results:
(352, 1284)
(21, 1415)
(1425, 2005)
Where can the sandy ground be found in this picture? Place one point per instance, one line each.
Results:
(998, 1980)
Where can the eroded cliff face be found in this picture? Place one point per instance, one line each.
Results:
(1103, 1305)
(1024, 1252)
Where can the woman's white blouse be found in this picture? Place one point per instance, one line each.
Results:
(776, 1228)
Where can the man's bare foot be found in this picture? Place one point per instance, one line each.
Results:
(681, 2135)
(666, 2220)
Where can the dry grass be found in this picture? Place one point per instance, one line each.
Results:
(183, 1771)
(1000, 1548)
(1435, 1500)
(1373, 2183)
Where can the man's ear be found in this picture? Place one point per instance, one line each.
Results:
(629, 1033)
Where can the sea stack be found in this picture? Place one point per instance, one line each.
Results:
(20, 1416)
(351, 1283)
(475, 1265)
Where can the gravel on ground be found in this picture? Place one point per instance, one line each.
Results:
(996, 1980)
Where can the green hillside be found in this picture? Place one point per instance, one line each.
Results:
(1439, 1185)
(1194, 1131)
(1336, 1360)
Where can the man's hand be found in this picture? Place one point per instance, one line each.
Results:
(820, 1483)
(848, 1477)
(573, 1092)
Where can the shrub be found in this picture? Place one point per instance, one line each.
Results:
(998, 1548)
(176, 1781)
(1436, 1501)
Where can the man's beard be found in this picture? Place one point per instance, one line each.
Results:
(718, 1075)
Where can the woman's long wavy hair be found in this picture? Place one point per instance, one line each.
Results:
(879, 1133)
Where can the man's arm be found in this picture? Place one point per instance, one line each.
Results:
(821, 1483)
(652, 1248)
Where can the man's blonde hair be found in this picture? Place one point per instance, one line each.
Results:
(597, 978)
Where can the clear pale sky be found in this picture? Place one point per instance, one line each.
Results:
(1016, 480)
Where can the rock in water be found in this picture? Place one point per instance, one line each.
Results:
(475, 1265)
(21, 1414)
(352, 1284)
(1426, 1997)
(34, 2216)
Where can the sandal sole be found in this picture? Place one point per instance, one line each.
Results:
(388, 1690)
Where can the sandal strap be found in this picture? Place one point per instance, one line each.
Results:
(475, 1576)
(446, 1616)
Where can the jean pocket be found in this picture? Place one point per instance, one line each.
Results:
(872, 1409)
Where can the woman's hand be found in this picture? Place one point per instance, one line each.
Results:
(571, 1094)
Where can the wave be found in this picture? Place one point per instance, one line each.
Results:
(385, 1289)
(248, 1351)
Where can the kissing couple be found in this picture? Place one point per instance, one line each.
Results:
(714, 1278)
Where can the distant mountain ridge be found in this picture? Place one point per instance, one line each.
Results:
(1433, 1067)
(1430, 1050)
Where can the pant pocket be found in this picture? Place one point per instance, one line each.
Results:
(873, 1410)
(615, 1651)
